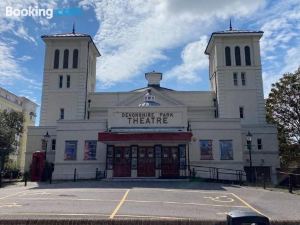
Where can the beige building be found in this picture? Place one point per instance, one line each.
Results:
(154, 131)
(10, 101)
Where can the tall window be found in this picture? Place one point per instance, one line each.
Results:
(62, 114)
(226, 150)
(66, 59)
(247, 56)
(259, 144)
(70, 150)
(90, 150)
(241, 112)
(206, 150)
(243, 78)
(237, 53)
(75, 58)
(235, 79)
(60, 82)
(227, 56)
(68, 81)
(53, 144)
(56, 59)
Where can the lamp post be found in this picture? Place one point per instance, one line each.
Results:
(249, 145)
(46, 139)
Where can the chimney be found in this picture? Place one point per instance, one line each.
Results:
(153, 79)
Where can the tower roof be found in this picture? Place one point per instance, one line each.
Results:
(70, 35)
(230, 32)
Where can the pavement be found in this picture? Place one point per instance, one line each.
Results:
(142, 200)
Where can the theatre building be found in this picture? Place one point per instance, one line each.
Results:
(153, 132)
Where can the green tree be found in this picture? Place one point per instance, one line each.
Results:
(283, 110)
(11, 125)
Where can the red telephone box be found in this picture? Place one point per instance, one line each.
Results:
(37, 165)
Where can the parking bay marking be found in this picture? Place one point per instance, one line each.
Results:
(247, 204)
(223, 198)
(119, 205)
(186, 203)
(10, 205)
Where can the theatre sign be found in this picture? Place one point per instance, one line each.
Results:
(136, 117)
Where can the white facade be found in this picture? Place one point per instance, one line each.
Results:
(150, 128)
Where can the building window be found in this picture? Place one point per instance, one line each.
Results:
(235, 79)
(243, 78)
(247, 56)
(259, 144)
(206, 150)
(70, 150)
(66, 59)
(237, 53)
(60, 83)
(62, 114)
(227, 56)
(75, 58)
(56, 59)
(241, 112)
(90, 150)
(68, 81)
(226, 150)
(53, 144)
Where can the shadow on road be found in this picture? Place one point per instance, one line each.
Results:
(184, 185)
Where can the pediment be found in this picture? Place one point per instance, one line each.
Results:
(160, 97)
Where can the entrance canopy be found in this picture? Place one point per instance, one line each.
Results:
(159, 136)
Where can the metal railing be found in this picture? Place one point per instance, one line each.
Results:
(217, 174)
(292, 180)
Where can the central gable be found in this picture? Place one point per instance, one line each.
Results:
(161, 97)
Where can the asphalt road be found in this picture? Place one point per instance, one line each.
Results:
(139, 199)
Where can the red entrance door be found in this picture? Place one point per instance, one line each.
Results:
(146, 162)
(122, 165)
(170, 162)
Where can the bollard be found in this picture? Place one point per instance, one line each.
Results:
(74, 175)
(264, 180)
(25, 180)
(240, 178)
(0, 178)
(193, 173)
(290, 183)
(96, 173)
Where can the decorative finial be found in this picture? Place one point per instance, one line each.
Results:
(230, 26)
(73, 30)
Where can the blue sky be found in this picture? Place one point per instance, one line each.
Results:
(139, 36)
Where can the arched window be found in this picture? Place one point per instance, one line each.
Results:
(75, 58)
(247, 56)
(237, 56)
(228, 56)
(56, 59)
(66, 59)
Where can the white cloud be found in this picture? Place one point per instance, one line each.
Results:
(134, 34)
(25, 58)
(280, 45)
(11, 27)
(193, 60)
